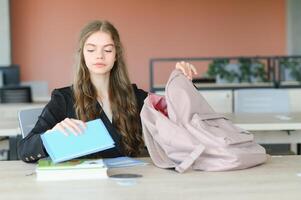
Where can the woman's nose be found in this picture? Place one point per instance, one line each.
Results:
(100, 54)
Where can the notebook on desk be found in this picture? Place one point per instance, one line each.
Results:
(124, 161)
(60, 147)
(77, 169)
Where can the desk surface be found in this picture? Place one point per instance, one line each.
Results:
(9, 128)
(277, 179)
(9, 124)
(266, 122)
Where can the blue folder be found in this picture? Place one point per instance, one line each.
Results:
(60, 147)
(123, 161)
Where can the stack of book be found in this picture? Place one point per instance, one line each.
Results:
(71, 170)
(79, 169)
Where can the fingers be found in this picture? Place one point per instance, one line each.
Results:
(72, 126)
(187, 69)
(80, 123)
(194, 69)
(61, 128)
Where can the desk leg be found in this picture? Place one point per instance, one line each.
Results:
(13, 145)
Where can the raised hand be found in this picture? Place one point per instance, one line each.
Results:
(187, 69)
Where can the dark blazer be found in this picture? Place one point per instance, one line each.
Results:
(61, 105)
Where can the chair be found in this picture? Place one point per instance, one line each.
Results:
(261, 101)
(27, 119)
(264, 100)
(15, 94)
(10, 75)
(295, 98)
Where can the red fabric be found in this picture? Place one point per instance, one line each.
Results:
(159, 103)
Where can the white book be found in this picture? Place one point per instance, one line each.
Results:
(79, 169)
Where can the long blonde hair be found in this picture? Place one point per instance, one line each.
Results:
(121, 94)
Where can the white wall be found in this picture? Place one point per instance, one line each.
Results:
(5, 43)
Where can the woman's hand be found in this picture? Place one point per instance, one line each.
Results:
(187, 69)
(69, 125)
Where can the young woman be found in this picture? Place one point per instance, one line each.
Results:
(101, 89)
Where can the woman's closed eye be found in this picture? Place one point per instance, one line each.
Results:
(108, 50)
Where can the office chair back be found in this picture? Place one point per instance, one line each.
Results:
(15, 94)
(27, 119)
(261, 101)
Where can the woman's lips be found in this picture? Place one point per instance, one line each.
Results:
(99, 64)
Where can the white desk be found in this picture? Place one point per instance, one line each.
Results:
(277, 179)
(9, 124)
(271, 128)
(9, 128)
(267, 122)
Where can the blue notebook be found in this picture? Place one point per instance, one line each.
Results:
(60, 148)
(123, 162)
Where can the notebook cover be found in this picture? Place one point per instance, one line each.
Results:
(123, 162)
(60, 147)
